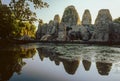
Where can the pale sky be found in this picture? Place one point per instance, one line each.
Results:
(58, 6)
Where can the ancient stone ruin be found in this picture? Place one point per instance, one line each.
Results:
(57, 18)
(70, 28)
(70, 16)
(102, 22)
(39, 31)
(86, 18)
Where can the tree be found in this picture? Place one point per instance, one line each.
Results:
(21, 9)
(18, 10)
(117, 20)
(23, 28)
(6, 22)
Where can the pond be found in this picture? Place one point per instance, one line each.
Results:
(61, 62)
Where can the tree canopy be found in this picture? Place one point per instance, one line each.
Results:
(21, 8)
(15, 13)
(117, 20)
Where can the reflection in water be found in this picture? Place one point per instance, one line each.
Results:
(11, 61)
(86, 64)
(103, 68)
(70, 65)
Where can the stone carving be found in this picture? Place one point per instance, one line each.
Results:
(57, 18)
(102, 22)
(86, 18)
(70, 16)
(52, 31)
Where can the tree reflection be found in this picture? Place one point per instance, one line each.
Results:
(103, 68)
(11, 61)
(86, 64)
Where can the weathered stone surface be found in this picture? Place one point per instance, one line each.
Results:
(25, 37)
(86, 18)
(57, 18)
(44, 29)
(74, 33)
(61, 32)
(102, 22)
(114, 32)
(70, 16)
(104, 16)
(51, 32)
(38, 32)
(85, 32)
(80, 33)
(53, 28)
(46, 37)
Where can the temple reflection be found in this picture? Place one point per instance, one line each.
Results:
(70, 64)
(11, 61)
(103, 68)
(86, 64)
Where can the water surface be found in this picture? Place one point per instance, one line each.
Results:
(75, 62)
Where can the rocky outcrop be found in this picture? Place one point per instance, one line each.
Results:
(61, 32)
(74, 33)
(86, 18)
(81, 32)
(102, 22)
(57, 18)
(25, 37)
(44, 29)
(85, 32)
(38, 33)
(51, 32)
(69, 28)
(114, 32)
(70, 16)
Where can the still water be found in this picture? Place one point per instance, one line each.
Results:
(37, 62)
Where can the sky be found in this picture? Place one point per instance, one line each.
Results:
(58, 7)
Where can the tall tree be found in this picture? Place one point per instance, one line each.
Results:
(6, 22)
(0, 3)
(21, 9)
(17, 10)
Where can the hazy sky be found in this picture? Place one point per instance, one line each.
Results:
(58, 6)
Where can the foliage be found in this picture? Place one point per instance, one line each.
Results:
(17, 18)
(21, 9)
(117, 20)
(23, 28)
(6, 22)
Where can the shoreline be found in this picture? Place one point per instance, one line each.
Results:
(13, 41)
